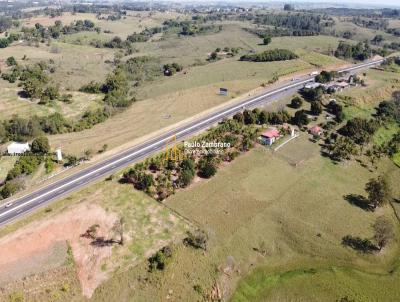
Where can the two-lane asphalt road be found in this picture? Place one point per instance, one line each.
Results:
(31, 201)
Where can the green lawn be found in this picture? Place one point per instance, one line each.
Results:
(318, 284)
(384, 134)
(396, 159)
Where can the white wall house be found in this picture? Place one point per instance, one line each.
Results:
(17, 148)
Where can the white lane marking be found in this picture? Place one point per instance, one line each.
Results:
(139, 152)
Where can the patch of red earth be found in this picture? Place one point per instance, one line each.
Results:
(40, 236)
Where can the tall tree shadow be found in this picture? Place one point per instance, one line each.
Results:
(358, 201)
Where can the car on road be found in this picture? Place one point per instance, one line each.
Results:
(8, 204)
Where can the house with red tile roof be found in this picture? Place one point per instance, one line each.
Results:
(269, 136)
(316, 130)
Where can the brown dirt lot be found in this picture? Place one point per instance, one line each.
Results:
(42, 245)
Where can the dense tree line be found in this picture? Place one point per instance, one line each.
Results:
(300, 22)
(281, 32)
(378, 24)
(190, 27)
(144, 35)
(270, 55)
(360, 51)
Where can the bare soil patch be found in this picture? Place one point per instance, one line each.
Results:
(42, 245)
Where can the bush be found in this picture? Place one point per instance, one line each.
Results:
(160, 259)
(359, 244)
(11, 61)
(10, 188)
(198, 240)
(207, 169)
(296, 102)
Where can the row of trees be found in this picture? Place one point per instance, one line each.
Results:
(42, 33)
(313, 23)
(270, 55)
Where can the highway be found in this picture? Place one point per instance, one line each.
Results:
(43, 196)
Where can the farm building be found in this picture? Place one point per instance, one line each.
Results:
(316, 130)
(17, 148)
(312, 85)
(223, 91)
(269, 136)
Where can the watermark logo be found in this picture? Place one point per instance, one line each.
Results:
(193, 148)
(172, 153)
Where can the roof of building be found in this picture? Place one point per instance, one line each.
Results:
(315, 129)
(270, 133)
(18, 147)
(312, 85)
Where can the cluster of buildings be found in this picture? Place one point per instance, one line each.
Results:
(272, 134)
(338, 85)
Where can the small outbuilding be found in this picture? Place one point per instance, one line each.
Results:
(223, 91)
(269, 136)
(18, 148)
(316, 130)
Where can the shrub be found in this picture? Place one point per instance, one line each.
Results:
(198, 240)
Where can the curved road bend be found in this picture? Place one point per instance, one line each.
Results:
(26, 204)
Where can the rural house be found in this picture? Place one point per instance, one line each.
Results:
(269, 136)
(316, 130)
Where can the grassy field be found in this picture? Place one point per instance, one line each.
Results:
(360, 33)
(186, 94)
(271, 208)
(361, 101)
(6, 163)
(318, 284)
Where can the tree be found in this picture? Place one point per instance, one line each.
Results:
(207, 168)
(300, 118)
(11, 61)
(40, 145)
(316, 108)
(288, 7)
(213, 56)
(119, 229)
(267, 40)
(378, 192)
(325, 76)
(249, 117)
(296, 102)
(239, 117)
(342, 148)
(197, 239)
(383, 232)
(187, 172)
